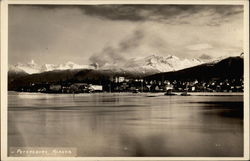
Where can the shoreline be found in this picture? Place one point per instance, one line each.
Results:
(144, 93)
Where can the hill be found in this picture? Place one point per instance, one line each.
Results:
(231, 67)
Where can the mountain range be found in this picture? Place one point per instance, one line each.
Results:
(33, 68)
(231, 67)
(151, 64)
(228, 68)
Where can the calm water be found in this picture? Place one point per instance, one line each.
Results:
(128, 124)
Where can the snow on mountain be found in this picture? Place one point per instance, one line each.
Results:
(68, 65)
(15, 70)
(48, 67)
(161, 64)
(29, 68)
(216, 60)
(32, 67)
(150, 64)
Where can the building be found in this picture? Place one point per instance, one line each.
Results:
(55, 88)
(78, 88)
(95, 88)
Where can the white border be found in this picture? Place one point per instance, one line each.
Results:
(4, 64)
(246, 79)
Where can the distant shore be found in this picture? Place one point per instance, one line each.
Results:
(214, 93)
(149, 93)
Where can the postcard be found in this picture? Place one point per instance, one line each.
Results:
(124, 80)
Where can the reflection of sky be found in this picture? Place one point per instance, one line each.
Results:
(125, 125)
(57, 34)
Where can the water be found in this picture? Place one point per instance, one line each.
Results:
(128, 124)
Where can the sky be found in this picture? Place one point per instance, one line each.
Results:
(84, 34)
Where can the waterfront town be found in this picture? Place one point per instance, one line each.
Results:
(123, 84)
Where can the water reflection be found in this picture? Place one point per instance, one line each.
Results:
(128, 125)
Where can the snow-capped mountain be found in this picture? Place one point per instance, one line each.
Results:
(216, 60)
(150, 64)
(169, 63)
(32, 67)
(13, 69)
(68, 65)
(29, 68)
(154, 63)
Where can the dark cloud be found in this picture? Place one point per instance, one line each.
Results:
(131, 42)
(173, 14)
(115, 12)
(115, 54)
(49, 33)
(205, 57)
(158, 12)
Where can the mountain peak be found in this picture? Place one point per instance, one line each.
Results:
(242, 55)
(69, 63)
(32, 62)
(14, 69)
(154, 62)
(172, 57)
(32, 67)
(160, 63)
(152, 56)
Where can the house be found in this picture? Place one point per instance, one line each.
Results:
(119, 79)
(95, 88)
(55, 87)
(169, 87)
(78, 88)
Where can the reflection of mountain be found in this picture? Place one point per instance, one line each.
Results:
(228, 68)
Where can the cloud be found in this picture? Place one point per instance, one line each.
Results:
(205, 57)
(117, 54)
(160, 12)
(211, 15)
(114, 33)
(199, 47)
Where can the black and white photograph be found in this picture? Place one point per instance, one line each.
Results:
(151, 80)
